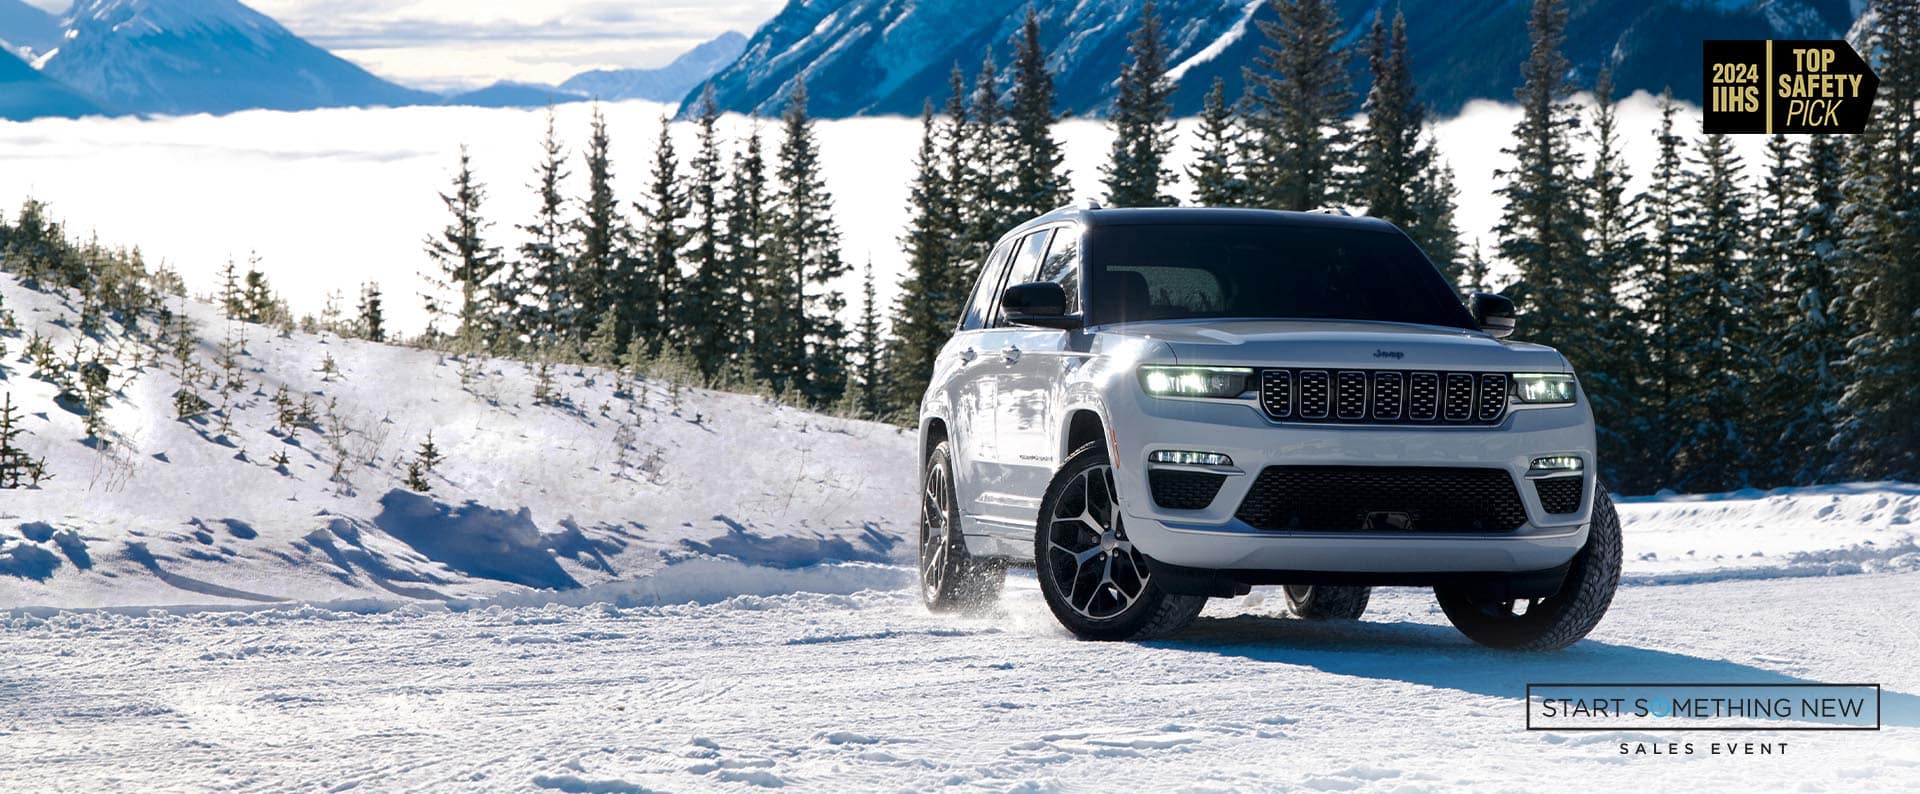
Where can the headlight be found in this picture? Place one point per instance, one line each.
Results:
(1543, 388)
(1218, 382)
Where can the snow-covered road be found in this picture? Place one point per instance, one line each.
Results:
(869, 692)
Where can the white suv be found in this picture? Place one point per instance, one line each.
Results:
(1156, 406)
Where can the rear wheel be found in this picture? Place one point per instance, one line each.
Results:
(1094, 580)
(1327, 602)
(950, 578)
(1559, 620)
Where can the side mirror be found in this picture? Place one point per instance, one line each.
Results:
(1041, 303)
(1493, 313)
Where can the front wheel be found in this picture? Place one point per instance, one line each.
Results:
(1094, 580)
(1559, 620)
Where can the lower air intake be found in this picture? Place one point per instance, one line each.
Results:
(1351, 498)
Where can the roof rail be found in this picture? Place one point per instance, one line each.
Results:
(1330, 211)
(1083, 204)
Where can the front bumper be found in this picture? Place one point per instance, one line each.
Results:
(1212, 538)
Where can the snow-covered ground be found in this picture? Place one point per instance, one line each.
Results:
(595, 488)
(718, 597)
(868, 692)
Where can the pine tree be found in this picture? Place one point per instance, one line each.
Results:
(603, 241)
(1606, 359)
(1216, 174)
(424, 462)
(1662, 304)
(1774, 247)
(15, 465)
(258, 301)
(656, 283)
(372, 323)
(1433, 227)
(1039, 175)
(926, 312)
(870, 394)
(1136, 172)
(467, 264)
(747, 246)
(1474, 277)
(706, 311)
(1299, 94)
(544, 313)
(988, 186)
(809, 357)
(1717, 287)
(1814, 341)
(965, 181)
(1877, 427)
(603, 345)
(1390, 156)
(232, 299)
(1542, 228)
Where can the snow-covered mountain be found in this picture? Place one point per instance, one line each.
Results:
(206, 56)
(668, 83)
(26, 30)
(888, 56)
(25, 93)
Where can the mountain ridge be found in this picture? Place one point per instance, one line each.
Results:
(887, 57)
(206, 56)
(665, 84)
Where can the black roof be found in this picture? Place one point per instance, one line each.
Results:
(1139, 216)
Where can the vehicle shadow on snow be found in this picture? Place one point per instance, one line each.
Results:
(1437, 656)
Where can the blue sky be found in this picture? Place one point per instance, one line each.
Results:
(459, 43)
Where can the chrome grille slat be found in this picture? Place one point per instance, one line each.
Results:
(1276, 393)
(1314, 400)
(1389, 402)
(1457, 405)
(1424, 402)
(1352, 403)
(1384, 396)
(1493, 396)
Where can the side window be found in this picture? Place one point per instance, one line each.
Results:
(1026, 266)
(1062, 265)
(987, 291)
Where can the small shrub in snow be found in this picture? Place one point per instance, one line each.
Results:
(422, 466)
(16, 467)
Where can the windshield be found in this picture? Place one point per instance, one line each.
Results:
(1278, 271)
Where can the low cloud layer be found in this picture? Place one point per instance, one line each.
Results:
(332, 198)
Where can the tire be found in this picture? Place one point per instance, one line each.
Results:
(1560, 620)
(1327, 602)
(1094, 580)
(951, 580)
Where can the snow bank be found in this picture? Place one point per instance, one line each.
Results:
(608, 482)
(1787, 532)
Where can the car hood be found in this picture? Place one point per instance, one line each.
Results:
(1341, 344)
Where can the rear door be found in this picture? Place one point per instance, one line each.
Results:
(974, 389)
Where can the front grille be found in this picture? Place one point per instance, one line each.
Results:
(1345, 498)
(1184, 490)
(1384, 396)
(1560, 495)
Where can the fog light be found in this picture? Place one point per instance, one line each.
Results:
(1557, 463)
(1185, 458)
